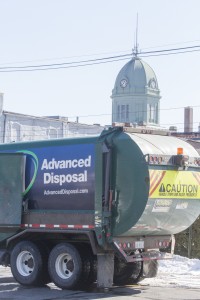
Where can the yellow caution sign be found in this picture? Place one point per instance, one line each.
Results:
(174, 184)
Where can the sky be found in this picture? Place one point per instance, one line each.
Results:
(47, 32)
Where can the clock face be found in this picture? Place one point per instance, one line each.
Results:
(153, 84)
(123, 83)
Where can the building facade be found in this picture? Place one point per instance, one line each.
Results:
(16, 127)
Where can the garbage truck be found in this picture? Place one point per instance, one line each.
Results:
(98, 209)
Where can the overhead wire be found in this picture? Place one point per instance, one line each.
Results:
(101, 60)
(172, 49)
(171, 44)
(67, 63)
(61, 67)
(64, 57)
(109, 114)
(94, 54)
(174, 53)
(141, 111)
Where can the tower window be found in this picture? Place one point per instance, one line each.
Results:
(127, 112)
(123, 113)
(152, 115)
(139, 113)
(118, 113)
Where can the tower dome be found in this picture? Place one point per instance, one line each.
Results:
(136, 94)
(137, 75)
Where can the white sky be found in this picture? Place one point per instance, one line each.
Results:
(36, 32)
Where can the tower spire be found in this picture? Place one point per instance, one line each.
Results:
(136, 45)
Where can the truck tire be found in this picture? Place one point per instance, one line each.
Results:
(89, 263)
(127, 273)
(89, 269)
(137, 273)
(150, 268)
(27, 264)
(93, 270)
(65, 266)
(84, 280)
(122, 272)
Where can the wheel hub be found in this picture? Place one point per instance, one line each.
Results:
(64, 266)
(25, 263)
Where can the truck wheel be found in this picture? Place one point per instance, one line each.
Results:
(89, 265)
(137, 272)
(83, 282)
(27, 265)
(122, 272)
(127, 273)
(93, 270)
(150, 268)
(65, 266)
(88, 274)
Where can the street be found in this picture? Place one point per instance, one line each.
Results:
(10, 289)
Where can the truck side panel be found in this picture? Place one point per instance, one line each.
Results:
(11, 187)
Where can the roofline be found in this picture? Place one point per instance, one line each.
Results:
(46, 118)
(33, 117)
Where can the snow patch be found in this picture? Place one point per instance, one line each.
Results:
(179, 271)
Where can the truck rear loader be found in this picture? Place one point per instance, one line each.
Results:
(95, 209)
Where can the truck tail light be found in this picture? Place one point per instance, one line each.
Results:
(124, 245)
(162, 244)
(128, 245)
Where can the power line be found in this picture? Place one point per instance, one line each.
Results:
(110, 114)
(90, 62)
(61, 67)
(171, 44)
(93, 54)
(64, 57)
(174, 53)
(68, 63)
(170, 50)
(135, 112)
(102, 114)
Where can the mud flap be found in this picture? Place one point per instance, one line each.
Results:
(105, 270)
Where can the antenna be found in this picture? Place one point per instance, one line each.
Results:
(135, 50)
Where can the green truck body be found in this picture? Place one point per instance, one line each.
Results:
(102, 208)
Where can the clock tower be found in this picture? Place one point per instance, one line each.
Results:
(136, 96)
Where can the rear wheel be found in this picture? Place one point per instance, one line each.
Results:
(65, 266)
(27, 264)
(89, 270)
(137, 274)
(127, 273)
